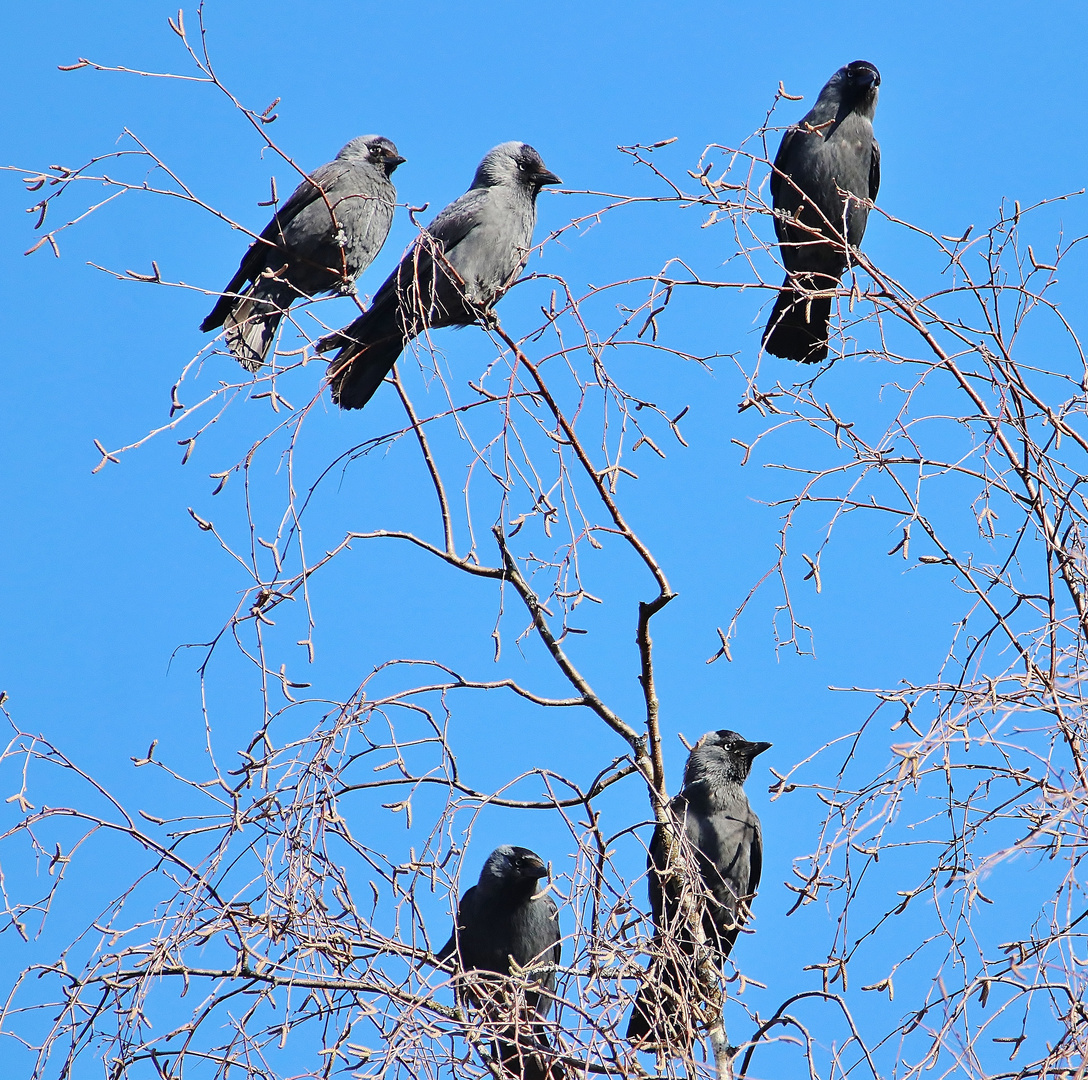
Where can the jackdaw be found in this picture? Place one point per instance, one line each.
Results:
(832, 148)
(320, 240)
(452, 275)
(504, 925)
(718, 834)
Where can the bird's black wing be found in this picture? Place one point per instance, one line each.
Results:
(653, 1017)
(258, 253)
(311, 189)
(557, 948)
(459, 218)
(552, 946)
(784, 194)
(464, 914)
(541, 945)
(415, 277)
(874, 171)
(658, 857)
(529, 1055)
(781, 166)
(755, 857)
(450, 227)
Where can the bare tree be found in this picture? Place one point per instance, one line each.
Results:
(301, 948)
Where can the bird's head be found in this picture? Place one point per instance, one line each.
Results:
(509, 866)
(722, 756)
(376, 149)
(855, 87)
(514, 163)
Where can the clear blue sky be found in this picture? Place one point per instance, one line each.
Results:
(106, 575)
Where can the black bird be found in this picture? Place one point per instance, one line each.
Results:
(321, 239)
(833, 147)
(455, 271)
(505, 926)
(720, 833)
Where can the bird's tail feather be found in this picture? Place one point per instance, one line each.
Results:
(360, 368)
(254, 317)
(640, 1025)
(656, 1019)
(797, 328)
(219, 313)
(531, 1058)
(672, 1006)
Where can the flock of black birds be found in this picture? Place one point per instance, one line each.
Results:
(825, 176)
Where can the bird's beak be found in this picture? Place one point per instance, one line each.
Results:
(539, 869)
(868, 79)
(396, 159)
(545, 177)
(754, 749)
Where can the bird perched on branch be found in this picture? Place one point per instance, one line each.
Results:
(325, 235)
(507, 926)
(831, 149)
(453, 273)
(716, 835)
